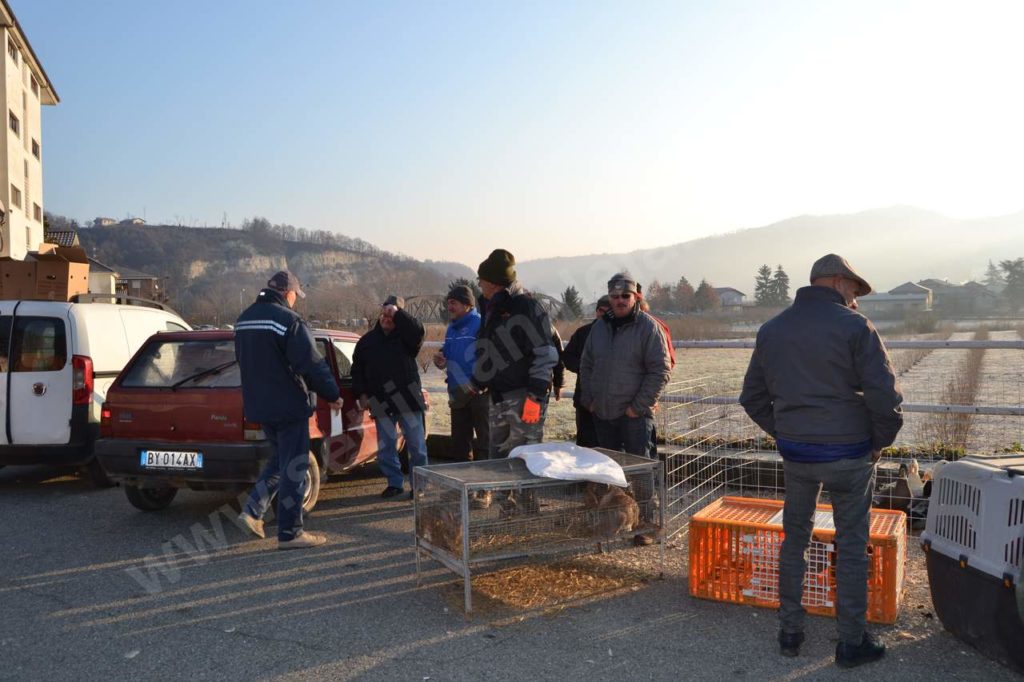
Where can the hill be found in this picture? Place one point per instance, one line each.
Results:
(210, 274)
(890, 246)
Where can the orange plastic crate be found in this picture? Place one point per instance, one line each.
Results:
(734, 557)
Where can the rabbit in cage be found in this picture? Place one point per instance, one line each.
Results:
(616, 512)
(442, 528)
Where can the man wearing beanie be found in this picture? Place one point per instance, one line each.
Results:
(469, 409)
(515, 357)
(585, 434)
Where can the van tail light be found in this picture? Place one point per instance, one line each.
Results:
(252, 431)
(82, 380)
(106, 428)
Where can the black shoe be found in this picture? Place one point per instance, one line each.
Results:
(789, 643)
(391, 491)
(849, 656)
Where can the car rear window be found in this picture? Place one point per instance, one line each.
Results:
(38, 344)
(184, 364)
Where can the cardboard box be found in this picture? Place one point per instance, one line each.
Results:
(19, 279)
(61, 272)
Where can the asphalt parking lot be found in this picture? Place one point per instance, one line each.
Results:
(94, 589)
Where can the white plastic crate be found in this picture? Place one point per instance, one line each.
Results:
(976, 514)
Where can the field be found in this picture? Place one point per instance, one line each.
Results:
(989, 377)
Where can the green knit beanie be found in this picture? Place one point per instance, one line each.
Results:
(499, 268)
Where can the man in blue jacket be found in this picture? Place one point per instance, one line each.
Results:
(820, 382)
(469, 409)
(279, 365)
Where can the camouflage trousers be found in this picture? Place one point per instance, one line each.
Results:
(507, 427)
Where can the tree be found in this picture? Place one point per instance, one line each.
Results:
(1013, 270)
(572, 305)
(994, 279)
(683, 298)
(706, 298)
(780, 287)
(763, 286)
(659, 296)
(462, 281)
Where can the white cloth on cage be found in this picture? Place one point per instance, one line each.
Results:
(570, 462)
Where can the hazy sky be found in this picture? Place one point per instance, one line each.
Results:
(445, 129)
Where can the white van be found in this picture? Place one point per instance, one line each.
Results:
(57, 360)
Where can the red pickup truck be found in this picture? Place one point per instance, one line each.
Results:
(173, 419)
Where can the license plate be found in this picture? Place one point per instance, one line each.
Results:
(171, 459)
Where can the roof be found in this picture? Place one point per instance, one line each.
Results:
(128, 273)
(96, 266)
(891, 298)
(722, 290)
(48, 95)
(909, 288)
(61, 237)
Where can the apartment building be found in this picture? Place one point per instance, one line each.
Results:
(25, 88)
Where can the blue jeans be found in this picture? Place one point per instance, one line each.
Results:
(850, 482)
(291, 456)
(387, 445)
(625, 434)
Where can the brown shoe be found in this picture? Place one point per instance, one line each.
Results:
(303, 540)
(254, 525)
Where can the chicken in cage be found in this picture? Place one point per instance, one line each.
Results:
(469, 513)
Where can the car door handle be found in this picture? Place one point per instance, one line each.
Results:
(39, 389)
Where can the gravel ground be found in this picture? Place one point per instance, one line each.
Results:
(76, 604)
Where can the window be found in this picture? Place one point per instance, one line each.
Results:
(35, 86)
(175, 327)
(12, 50)
(15, 196)
(188, 364)
(37, 213)
(35, 149)
(343, 352)
(39, 344)
(5, 341)
(14, 123)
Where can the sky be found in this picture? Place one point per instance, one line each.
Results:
(443, 130)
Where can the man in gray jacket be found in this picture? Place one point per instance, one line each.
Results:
(821, 383)
(625, 366)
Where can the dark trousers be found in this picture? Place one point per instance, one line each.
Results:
(285, 474)
(625, 434)
(586, 435)
(469, 416)
(850, 482)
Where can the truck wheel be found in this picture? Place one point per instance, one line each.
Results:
(312, 485)
(150, 499)
(96, 475)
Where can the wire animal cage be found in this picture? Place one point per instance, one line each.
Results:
(470, 513)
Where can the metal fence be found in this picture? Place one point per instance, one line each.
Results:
(962, 394)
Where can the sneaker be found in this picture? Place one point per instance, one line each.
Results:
(391, 491)
(254, 525)
(789, 643)
(868, 651)
(302, 541)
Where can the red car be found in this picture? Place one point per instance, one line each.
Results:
(173, 419)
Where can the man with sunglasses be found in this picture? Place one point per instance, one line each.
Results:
(624, 368)
(821, 383)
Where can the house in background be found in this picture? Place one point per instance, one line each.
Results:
(139, 284)
(102, 278)
(906, 299)
(956, 300)
(133, 221)
(26, 89)
(732, 300)
(103, 222)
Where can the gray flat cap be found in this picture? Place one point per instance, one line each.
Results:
(832, 264)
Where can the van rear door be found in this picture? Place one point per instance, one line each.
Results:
(39, 390)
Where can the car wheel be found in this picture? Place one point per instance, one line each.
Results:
(150, 499)
(312, 493)
(96, 475)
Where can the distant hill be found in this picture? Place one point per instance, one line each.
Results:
(211, 273)
(451, 270)
(889, 246)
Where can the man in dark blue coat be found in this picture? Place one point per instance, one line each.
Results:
(279, 365)
(820, 382)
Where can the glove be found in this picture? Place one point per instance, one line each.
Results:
(531, 411)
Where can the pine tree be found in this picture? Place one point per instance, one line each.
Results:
(659, 296)
(1014, 277)
(780, 287)
(994, 279)
(683, 298)
(706, 298)
(763, 286)
(572, 305)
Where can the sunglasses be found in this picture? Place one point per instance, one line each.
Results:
(616, 297)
